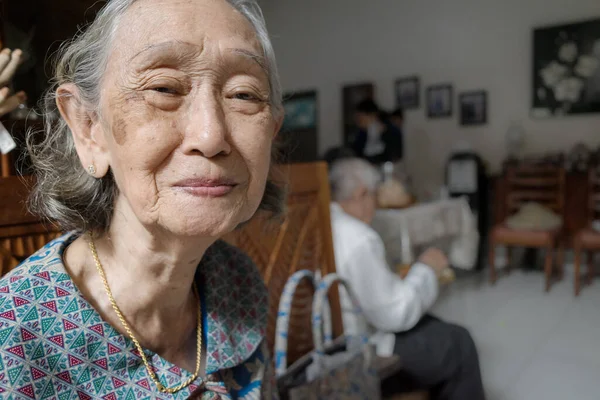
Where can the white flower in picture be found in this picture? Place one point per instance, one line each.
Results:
(568, 52)
(568, 89)
(587, 66)
(541, 93)
(553, 73)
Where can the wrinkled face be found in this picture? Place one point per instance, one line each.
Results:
(186, 118)
(369, 206)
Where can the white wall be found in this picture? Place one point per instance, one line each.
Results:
(473, 44)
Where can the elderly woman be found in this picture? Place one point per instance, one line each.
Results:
(437, 356)
(168, 111)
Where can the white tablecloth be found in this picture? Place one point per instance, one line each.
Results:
(452, 220)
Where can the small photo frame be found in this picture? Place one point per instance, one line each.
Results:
(300, 111)
(439, 101)
(473, 108)
(298, 138)
(407, 92)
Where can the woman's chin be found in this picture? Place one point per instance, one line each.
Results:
(204, 224)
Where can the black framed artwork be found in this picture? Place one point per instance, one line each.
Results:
(566, 69)
(407, 91)
(473, 107)
(298, 139)
(440, 101)
(352, 95)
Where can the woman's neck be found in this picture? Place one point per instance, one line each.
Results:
(150, 276)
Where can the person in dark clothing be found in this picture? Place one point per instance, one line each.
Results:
(440, 357)
(378, 140)
(397, 118)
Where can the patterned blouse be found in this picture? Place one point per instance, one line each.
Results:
(54, 345)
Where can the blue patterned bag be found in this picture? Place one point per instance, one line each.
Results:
(335, 370)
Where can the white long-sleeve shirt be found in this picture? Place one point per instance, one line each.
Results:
(391, 304)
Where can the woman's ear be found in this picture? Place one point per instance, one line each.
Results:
(359, 193)
(86, 130)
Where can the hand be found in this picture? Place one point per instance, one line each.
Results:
(9, 61)
(435, 259)
(8, 104)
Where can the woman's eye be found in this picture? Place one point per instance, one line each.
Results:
(245, 96)
(165, 90)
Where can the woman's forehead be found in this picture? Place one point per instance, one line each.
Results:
(195, 22)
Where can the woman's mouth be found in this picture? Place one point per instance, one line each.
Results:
(206, 187)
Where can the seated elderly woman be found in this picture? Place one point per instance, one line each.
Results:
(435, 355)
(168, 111)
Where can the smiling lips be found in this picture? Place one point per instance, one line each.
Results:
(206, 187)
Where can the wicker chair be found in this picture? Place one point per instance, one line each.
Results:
(21, 234)
(300, 240)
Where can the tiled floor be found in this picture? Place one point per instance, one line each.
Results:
(533, 345)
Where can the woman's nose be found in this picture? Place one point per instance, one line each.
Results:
(207, 132)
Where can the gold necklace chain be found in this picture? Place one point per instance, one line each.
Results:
(153, 376)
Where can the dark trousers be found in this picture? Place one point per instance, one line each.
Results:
(441, 358)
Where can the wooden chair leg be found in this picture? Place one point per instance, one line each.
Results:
(577, 266)
(509, 259)
(560, 260)
(591, 267)
(492, 262)
(548, 267)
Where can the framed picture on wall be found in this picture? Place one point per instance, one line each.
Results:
(298, 138)
(300, 111)
(439, 101)
(407, 92)
(473, 108)
(566, 69)
(352, 95)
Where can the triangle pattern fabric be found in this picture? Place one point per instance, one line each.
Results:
(19, 301)
(54, 345)
(45, 275)
(39, 291)
(37, 374)
(4, 335)
(27, 391)
(48, 392)
(50, 305)
(26, 335)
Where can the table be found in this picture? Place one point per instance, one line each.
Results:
(423, 224)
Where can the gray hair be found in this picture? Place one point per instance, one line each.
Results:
(64, 192)
(348, 174)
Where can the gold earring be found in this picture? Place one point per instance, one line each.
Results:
(92, 169)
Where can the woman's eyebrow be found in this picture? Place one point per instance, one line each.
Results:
(257, 58)
(182, 50)
(167, 49)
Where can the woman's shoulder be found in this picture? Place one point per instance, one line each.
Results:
(236, 300)
(231, 258)
(30, 296)
(226, 266)
(44, 262)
